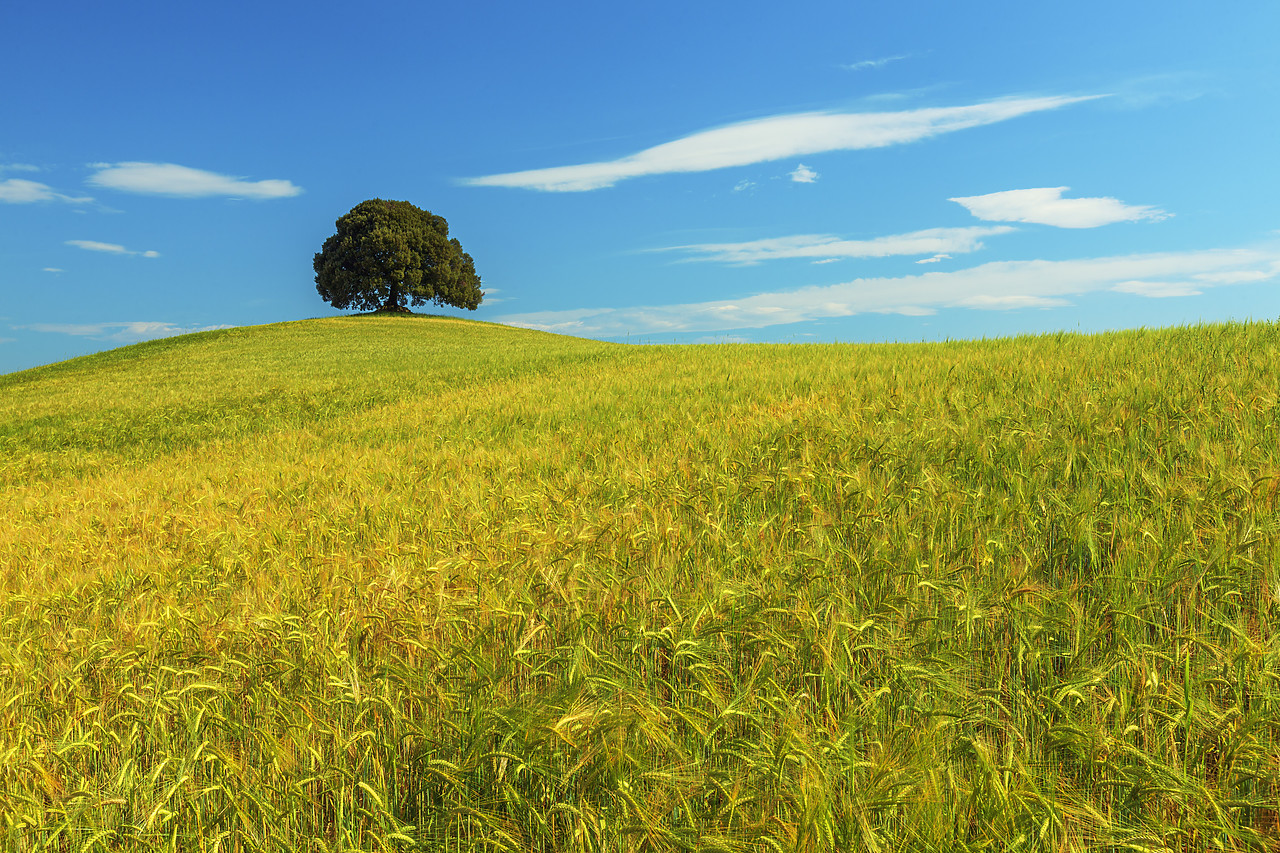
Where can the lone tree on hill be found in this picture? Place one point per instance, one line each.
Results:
(388, 253)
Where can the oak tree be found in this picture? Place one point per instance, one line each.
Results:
(389, 254)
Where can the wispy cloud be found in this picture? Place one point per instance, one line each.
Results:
(1158, 289)
(775, 138)
(182, 181)
(18, 167)
(119, 332)
(109, 248)
(943, 256)
(52, 269)
(827, 247)
(1046, 206)
(1165, 88)
(1003, 285)
(866, 64)
(803, 175)
(21, 191)
(906, 94)
(1233, 276)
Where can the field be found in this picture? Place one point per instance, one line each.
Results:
(426, 584)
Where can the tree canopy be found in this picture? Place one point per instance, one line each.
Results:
(387, 254)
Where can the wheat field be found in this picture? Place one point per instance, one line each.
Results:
(412, 583)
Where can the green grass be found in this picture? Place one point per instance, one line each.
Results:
(425, 584)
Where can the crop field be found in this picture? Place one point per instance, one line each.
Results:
(411, 583)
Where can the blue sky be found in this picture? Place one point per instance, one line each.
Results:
(659, 172)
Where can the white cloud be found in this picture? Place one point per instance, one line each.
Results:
(120, 332)
(20, 191)
(51, 269)
(775, 138)
(873, 63)
(1165, 88)
(173, 180)
(1001, 285)
(803, 175)
(110, 248)
(721, 339)
(18, 167)
(933, 241)
(1008, 302)
(935, 259)
(1157, 289)
(1046, 206)
(1235, 276)
(95, 246)
(744, 185)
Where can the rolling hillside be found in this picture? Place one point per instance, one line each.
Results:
(417, 583)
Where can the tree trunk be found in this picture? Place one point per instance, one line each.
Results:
(393, 299)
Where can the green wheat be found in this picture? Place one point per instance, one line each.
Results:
(425, 584)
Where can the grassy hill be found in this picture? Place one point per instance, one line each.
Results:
(418, 583)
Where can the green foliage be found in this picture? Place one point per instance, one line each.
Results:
(388, 254)
(569, 595)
